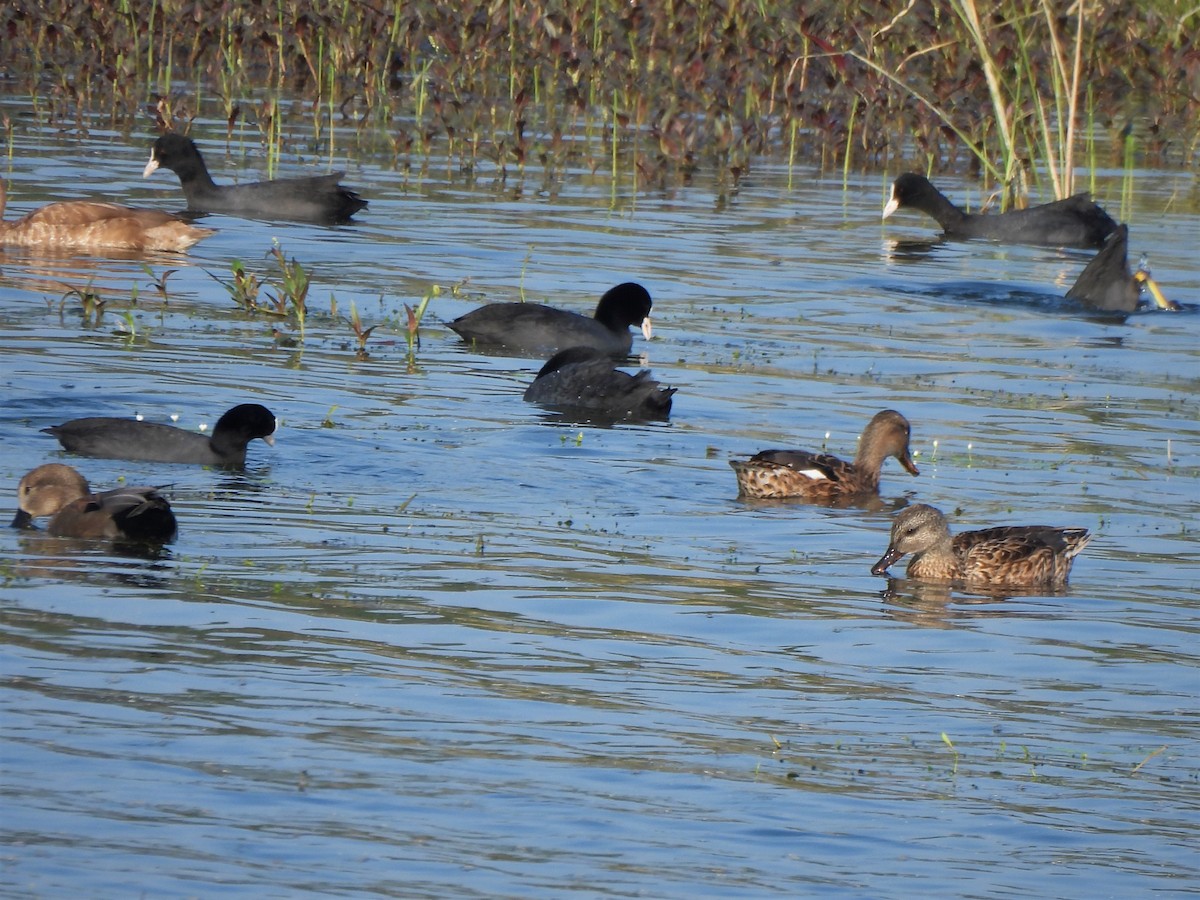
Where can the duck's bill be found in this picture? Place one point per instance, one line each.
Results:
(270, 439)
(151, 167)
(1144, 279)
(889, 558)
(647, 331)
(909, 466)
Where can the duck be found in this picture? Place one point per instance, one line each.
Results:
(139, 514)
(822, 477)
(1107, 285)
(1008, 556)
(114, 438)
(314, 198)
(584, 379)
(92, 225)
(1073, 222)
(533, 329)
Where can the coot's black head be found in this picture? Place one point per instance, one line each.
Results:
(624, 305)
(248, 420)
(176, 152)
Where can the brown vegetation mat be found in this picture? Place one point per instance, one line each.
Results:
(688, 84)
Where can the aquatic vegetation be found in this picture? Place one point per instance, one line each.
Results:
(413, 319)
(128, 328)
(655, 90)
(361, 334)
(158, 282)
(89, 299)
(243, 287)
(293, 289)
(1013, 67)
(288, 300)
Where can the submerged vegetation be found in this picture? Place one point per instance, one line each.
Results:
(651, 91)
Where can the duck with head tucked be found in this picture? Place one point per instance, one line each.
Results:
(584, 381)
(138, 514)
(822, 477)
(91, 225)
(1008, 556)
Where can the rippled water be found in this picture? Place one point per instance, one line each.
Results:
(436, 642)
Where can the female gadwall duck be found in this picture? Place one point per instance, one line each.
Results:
(60, 492)
(1010, 555)
(89, 225)
(112, 438)
(822, 478)
(1073, 222)
(531, 329)
(583, 379)
(315, 198)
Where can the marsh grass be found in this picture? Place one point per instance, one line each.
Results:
(649, 92)
(1032, 129)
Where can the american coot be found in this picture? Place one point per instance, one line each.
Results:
(1012, 555)
(583, 379)
(317, 198)
(1073, 222)
(531, 329)
(127, 513)
(822, 478)
(111, 438)
(1108, 285)
(86, 224)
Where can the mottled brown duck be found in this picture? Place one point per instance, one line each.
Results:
(1008, 556)
(822, 477)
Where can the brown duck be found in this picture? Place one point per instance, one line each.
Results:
(1006, 556)
(821, 477)
(89, 225)
(60, 492)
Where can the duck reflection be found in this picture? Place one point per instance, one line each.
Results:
(126, 563)
(931, 605)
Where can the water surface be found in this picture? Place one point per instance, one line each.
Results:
(438, 642)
